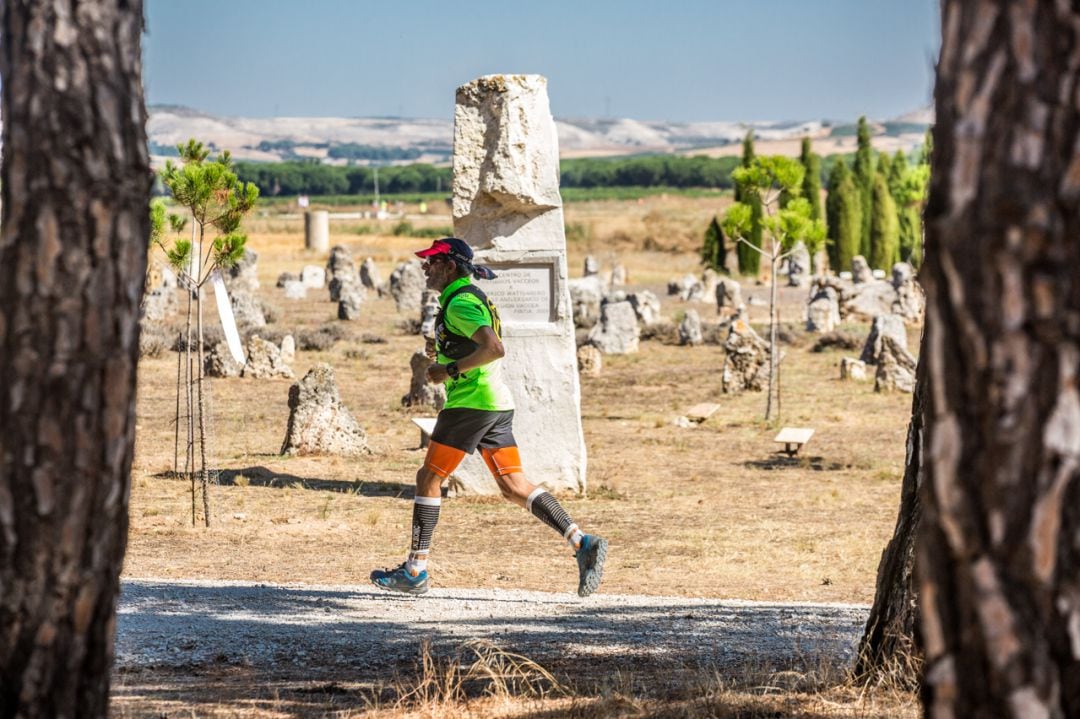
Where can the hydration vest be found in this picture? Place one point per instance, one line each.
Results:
(457, 346)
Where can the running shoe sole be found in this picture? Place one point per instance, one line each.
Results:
(590, 579)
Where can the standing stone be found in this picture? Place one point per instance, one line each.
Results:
(592, 266)
(507, 206)
(243, 275)
(646, 306)
(158, 303)
(746, 360)
(799, 266)
(692, 289)
(407, 285)
(902, 273)
(295, 290)
(883, 326)
(317, 230)
(852, 369)
(823, 311)
(352, 296)
(313, 277)
(370, 277)
(821, 263)
(318, 422)
(421, 392)
(910, 299)
(341, 271)
(288, 349)
(341, 286)
(219, 361)
(286, 277)
(168, 278)
(264, 360)
(860, 270)
(617, 332)
(895, 367)
(709, 280)
(590, 360)
(690, 329)
(247, 310)
(586, 294)
(729, 302)
(429, 310)
(618, 275)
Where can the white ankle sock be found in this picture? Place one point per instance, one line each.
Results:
(416, 564)
(574, 536)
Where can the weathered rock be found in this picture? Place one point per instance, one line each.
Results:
(592, 266)
(288, 349)
(264, 360)
(746, 362)
(852, 369)
(318, 422)
(882, 327)
(218, 361)
(407, 285)
(370, 277)
(860, 270)
(590, 360)
(690, 329)
(823, 311)
(247, 310)
(429, 310)
(618, 275)
(693, 290)
(821, 262)
(910, 299)
(341, 285)
(286, 277)
(869, 299)
(313, 277)
(617, 332)
(243, 276)
(902, 273)
(586, 294)
(157, 304)
(895, 367)
(421, 392)
(798, 266)
(352, 297)
(340, 262)
(295, 290)
(646, 306)
(729, 302)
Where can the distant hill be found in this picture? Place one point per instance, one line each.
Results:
(339, 140)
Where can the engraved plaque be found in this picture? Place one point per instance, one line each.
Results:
(523, 293)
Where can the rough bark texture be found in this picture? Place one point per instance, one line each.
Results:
(887, 650)
(998, 555)
(75, 182)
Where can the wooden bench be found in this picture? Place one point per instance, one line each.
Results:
(427, 426)
(793, 438)
(701, 412)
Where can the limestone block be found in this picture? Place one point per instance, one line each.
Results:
(895, 367)
(592, 266)
(370, 277)
(295, 290)
(313, 277)
(168, 278)
(219, 362)
(352, 297)
(157, 304)
(729, 302)
(618, 331)
(247, 310)
(799, 266)
(746, 360)
(902, 273)
(646, 306)
(317, 230)
(823, 311)
(264, 360)
(421, 392)
(407, 285)
(852, 369)
(709, 280)
(860, 270)
(590, 360)
(618, 275)
(242, 275)
(429, 310)
(318, 422)
(690, 329)
(340, 286)
(286, 277)
(288, 349)
(586, 294)
(869, 299)
(883, 326)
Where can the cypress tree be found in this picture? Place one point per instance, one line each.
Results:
(837, 175)
(811, 188)
(749, 258)
(884, 226)
(864, 182)
(714, 249)
(844, 209)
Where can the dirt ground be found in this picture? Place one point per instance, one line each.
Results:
(711, 511)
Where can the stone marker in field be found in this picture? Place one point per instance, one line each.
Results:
(860, 270)
(247, 310)
(617, 332)
(883, 326)
(798, 266)
(313, 277)
(352, 297)
(243, 276)
(592, 266)
(851, 368)
(429, 311)
(421, 392)
(370, 277)
(690, 329)
(507, 206)
(746, 362)
(264, 360)
(895, 367)
(295, 290)
(340, 271)
(288, 349)
(286, 277)
(590, 360)
(646, 306)
(407, 284)
(318, 422)
(618, 275)
(586, 294)
(219, 361)
(823, 311)
(729, 302)
(317, 230)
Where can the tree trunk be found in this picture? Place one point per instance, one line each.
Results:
(997, 556)
(75, 188)
(887, 652)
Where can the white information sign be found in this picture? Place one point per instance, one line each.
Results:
(522, 293)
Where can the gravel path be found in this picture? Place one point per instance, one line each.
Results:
(173, 624)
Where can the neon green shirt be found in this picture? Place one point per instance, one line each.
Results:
(481, 387)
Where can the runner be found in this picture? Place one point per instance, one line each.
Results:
(479, 412)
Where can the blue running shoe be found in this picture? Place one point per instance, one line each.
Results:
(590, 561)
(399, 579)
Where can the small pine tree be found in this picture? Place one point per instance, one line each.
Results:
(864, 181)
(714, 249)
(884, 227)
(811, 188)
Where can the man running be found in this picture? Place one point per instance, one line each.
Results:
(479, 412)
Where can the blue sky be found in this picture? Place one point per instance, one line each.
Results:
(650, 60)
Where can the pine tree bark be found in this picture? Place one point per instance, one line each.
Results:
(73, 240)
(997, 556)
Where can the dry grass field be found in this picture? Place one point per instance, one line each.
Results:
(710, 511)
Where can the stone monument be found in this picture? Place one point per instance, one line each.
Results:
(317, 230)
(508, 208)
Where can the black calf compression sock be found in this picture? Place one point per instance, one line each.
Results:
(548, 510)
(424, 518)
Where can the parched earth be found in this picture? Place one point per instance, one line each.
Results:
(166, 624)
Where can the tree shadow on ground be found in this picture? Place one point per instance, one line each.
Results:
(782, 461)
(264, 477)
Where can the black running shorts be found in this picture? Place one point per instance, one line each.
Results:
(466, 429)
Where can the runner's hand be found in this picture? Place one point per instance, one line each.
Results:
(437, 373)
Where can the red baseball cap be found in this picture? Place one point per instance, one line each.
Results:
(460, 252)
